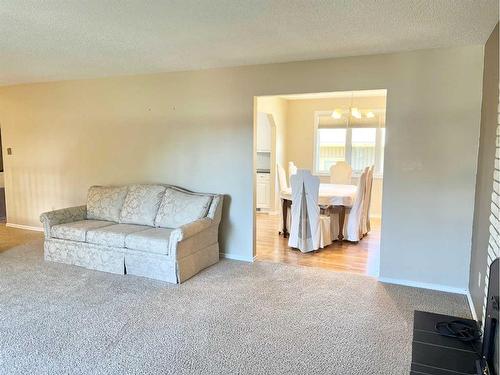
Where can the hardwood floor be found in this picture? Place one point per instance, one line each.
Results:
(361, 257)
(10, 237)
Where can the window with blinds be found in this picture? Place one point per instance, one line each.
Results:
(358, 141)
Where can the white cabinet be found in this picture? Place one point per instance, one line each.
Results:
(263, 132)
(263, 145)
(263, 190)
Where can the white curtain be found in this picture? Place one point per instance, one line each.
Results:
(366, 204)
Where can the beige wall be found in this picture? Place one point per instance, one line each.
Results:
(483, 251)
(2, 183)
(195, 129)
(300, 135)
(277, 107)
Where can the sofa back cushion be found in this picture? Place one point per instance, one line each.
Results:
(141, 204)
(105, 202)
(178, 208)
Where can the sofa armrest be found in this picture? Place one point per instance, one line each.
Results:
(62, 216)
(193, 237)
(191, 229)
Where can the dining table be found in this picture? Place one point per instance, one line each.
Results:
(330, 195)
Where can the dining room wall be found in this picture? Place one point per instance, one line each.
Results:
(195, 129)
(300, 135)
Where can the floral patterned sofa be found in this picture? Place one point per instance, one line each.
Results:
(157, 231)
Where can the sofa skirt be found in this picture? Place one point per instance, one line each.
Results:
(163, 267)
(132, 262)
(95, 257)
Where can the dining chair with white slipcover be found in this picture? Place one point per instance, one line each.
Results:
(283, 185)
(309, 229)
(292, 169)
(353, 222)
(340, 173)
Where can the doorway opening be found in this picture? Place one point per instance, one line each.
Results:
(3, 213)
(318, 133)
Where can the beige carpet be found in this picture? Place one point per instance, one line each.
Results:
(233, 318)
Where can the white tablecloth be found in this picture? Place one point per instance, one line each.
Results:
(330, 194)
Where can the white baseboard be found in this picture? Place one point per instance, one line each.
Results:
(416, 284)
(26, 227)
(268, 212)
(471, 306)
(237, 257)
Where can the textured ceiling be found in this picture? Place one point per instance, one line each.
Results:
(68, 39)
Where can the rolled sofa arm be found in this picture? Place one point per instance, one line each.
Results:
(62, 216)
(191, 229)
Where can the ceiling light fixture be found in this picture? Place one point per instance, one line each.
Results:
(336, 115)
(355, 112)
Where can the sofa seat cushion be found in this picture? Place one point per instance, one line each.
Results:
(113, 235)
(141, 204)
(77, 231)
(153, 240)
(178, 208)
(105, 202)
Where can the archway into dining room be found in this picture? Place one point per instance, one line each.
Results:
(319, 165)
